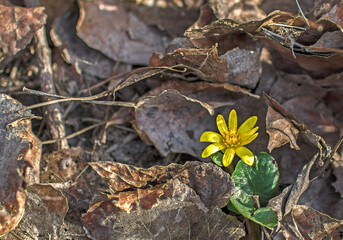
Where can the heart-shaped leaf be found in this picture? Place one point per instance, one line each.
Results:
(261, 179)
(244, 204)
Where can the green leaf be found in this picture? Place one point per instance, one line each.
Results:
(244, 204)
(266, 217)
(217, 158)
(262, 178)
(232, 207)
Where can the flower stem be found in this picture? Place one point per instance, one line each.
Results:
(231, 169)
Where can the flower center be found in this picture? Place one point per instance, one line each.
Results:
(232, 140)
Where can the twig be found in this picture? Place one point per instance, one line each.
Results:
(302, 14)
(74, 134)
(54, 117)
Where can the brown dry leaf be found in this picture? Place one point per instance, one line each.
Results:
(313, 224)
(75, 51)
(163, 13)
(309, 100)
(20, 152)
(281, 131)
(174, 123)
(17, 27)
(284, 202)
(205, 63)
(237, 66)
(240, 11)
(174, 201)
(308, 223)
(46, 208)
(128, 40)
(314, 139)
(334, 13)
(213, 186)
(321, 196)
(163, 119)
(288, 38)
(338, 172)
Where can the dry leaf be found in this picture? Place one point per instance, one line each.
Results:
(242, 11)
(172, 201)
(289, 40)
(173, 123)
(338, 172)
(44, 213)
(17, 27)
(163, 13)
(163, 119)
(75, 51)
(128, 40)
(20, 152)
(281, 131)
(237, 66)
(313, 224)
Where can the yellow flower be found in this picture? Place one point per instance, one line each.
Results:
(230, 140)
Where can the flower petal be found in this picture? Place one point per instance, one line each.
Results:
(248, 139)
(211, 149)
(246, 155)
(209, 136)
(221, 124)
(233, 121)
(228, 156)
(248, 134)
(247, 125)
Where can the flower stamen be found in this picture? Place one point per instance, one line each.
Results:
(232, 139)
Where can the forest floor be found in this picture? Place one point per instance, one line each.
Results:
(103, 103)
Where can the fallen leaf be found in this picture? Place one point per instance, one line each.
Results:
(314, 139)
(202, 178)
(172, 201)
(334, 14)
(312, 224)
(205, 63)
(289, 38)
(320, 189)
(173, 123)
(162, 14)
(18, 26)
(129, 40)
(237, 66)
(75, 51)
(242, 11)
(44, 213)
(165, 111)
(338, 172)
(281, 131)
(20, 152)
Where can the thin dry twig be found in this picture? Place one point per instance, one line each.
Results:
(53, 113)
